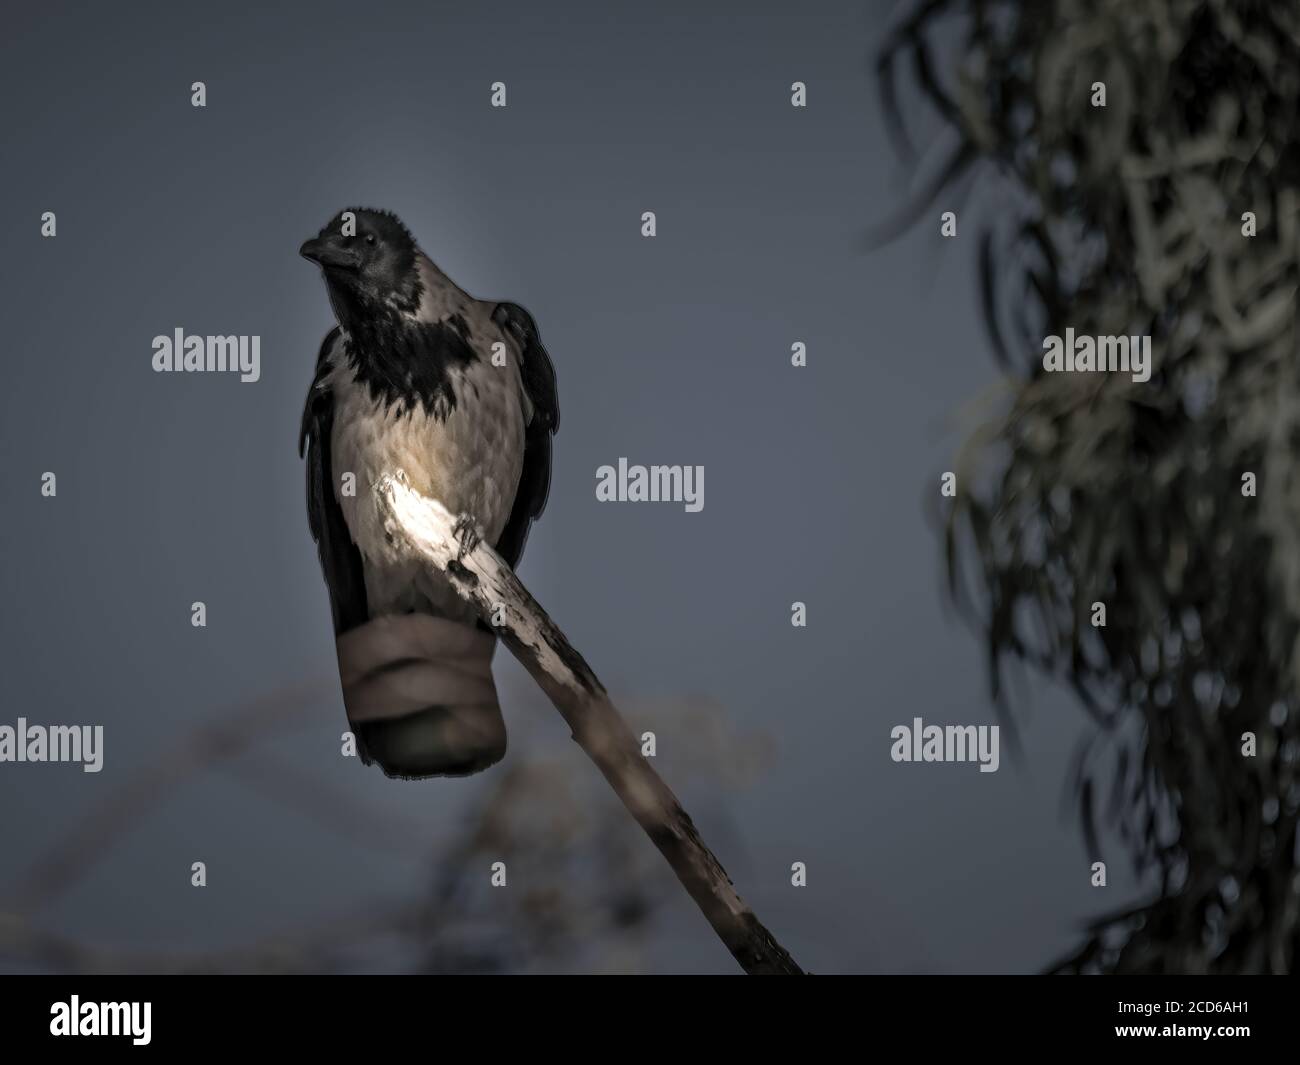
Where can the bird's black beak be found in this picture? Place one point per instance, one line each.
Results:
(327, 254)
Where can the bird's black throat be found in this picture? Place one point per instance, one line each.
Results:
(404, 361)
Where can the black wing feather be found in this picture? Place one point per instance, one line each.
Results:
(538, 376)
(340, 560)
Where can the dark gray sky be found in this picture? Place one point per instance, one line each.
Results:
(175, 488)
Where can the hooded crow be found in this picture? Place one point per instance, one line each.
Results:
(459, 394)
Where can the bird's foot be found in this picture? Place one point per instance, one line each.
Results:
(467, 535)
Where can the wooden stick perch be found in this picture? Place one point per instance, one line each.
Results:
(483, 579)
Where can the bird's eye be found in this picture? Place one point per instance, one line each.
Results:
(370, 238)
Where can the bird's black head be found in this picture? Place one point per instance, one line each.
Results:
(368, 259)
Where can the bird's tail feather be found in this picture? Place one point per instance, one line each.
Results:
(420, 695)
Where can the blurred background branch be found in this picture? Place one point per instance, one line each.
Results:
(585, 891)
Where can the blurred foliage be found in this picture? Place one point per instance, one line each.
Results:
(1083, 488)
(587, 891)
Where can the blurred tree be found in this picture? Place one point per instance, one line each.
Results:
(1128, 219)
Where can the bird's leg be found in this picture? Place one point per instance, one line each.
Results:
(467, 535)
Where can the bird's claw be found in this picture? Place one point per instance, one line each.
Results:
(467, 535)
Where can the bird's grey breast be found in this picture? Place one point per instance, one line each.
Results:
(467, 455)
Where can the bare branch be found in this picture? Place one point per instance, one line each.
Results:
(485, 581)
